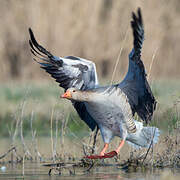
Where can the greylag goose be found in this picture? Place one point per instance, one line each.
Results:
(111, 108)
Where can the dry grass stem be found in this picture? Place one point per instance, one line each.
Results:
(34, 140)
(25, 148)
(152, 60)
(118, 58)
(6, 153)
(63, 131)
(52, 140)
(56, 137)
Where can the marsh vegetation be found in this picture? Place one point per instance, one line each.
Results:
(39, 127)
(34, 117)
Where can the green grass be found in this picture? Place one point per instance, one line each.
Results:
(166, 92)
(42, 98)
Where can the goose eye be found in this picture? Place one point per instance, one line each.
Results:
(74, 90)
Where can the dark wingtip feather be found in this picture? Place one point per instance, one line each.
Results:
(31, 33)
(34, 44)
(33, 40)
(140, 16)
(30, 30)
(138, 31)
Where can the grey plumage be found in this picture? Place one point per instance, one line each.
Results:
(69, 71)
(111, 108)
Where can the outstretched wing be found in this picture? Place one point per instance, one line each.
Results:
(135, 84)
(69, 72)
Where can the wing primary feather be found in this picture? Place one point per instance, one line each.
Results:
(44, 59)
(138, 32)
(39, 47)
(33, 50)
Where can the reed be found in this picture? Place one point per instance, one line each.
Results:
(95, 31)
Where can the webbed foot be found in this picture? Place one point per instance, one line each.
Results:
(106, 155)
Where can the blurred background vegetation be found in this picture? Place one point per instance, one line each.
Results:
(94, 30)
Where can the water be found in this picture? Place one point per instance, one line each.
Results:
(39, 172)
(31, 170)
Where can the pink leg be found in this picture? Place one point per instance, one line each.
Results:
(120, 146)
(104, 149)
(116, 152)
(104, 155)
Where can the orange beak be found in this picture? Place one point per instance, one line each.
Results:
(67, 95)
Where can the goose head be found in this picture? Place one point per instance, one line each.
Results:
(75, 94)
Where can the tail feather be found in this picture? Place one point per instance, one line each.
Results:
(144, 136)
